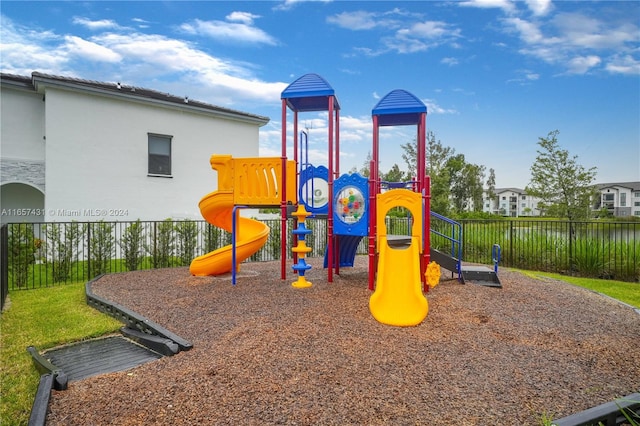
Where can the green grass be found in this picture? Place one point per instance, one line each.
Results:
(624, 291)
(43, 318)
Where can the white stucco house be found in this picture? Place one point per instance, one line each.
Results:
(74, 149)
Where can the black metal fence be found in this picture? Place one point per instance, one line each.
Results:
(4, 263)
(609, 250)
(46, 254)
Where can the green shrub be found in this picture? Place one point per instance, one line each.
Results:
(62, 247)
(22, 249)
(162, 244)
(187, 232)
(132, 245)
(101, 247)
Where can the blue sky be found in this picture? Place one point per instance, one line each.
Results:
(495, 74)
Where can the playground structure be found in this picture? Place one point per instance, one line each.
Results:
(355, 207)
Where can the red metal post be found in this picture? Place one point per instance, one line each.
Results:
(337, 165)
(423, 187)
(336, 254)
(330, 206)
(373, 191)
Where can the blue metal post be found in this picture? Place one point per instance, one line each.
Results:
(234, 237)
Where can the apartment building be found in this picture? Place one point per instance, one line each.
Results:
(620, 199)
(511, 202)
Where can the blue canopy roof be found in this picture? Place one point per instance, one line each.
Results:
(309, 93)
(399, 108)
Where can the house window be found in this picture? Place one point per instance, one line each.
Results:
(623, 200)
(159, 155)
(636, 194)
(524, 197)
(607, 197)
(636, 203)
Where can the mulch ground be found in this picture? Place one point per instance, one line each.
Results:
(267, 353)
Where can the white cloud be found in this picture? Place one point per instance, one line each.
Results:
(582, 64)
(24, 50)
(164, 56)
(410, 35)
(526, 77)
(539, 7)
(358, 20)
(449, 61)
(624, 65)
(89, 50)
(101, 24)
(529, 31)
(147, 60)
(289, 4)
(244, 17)
(575, 41)
(243, 31)
(434, 108)
(506, 5)
(592, 33)
(141, 23)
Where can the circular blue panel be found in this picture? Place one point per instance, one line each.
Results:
(315, 193)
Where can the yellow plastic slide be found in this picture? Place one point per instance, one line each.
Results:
(247, 181)
(398, 299)
(217, 209)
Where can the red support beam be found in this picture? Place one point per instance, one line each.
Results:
(373, 191)
(330, 250)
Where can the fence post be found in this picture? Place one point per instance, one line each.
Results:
(571, 248)
(4, 264)
(89, 250)
(511, 243)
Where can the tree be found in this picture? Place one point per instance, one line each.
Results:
(491, 188)
(465, 183)
(22, 249)
(564, 186)
(132, 245)
(364, 170)
(102, 247)
(394, 175)
(187, 240)
(437, 156)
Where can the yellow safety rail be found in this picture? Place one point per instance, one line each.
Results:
(255, 181)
